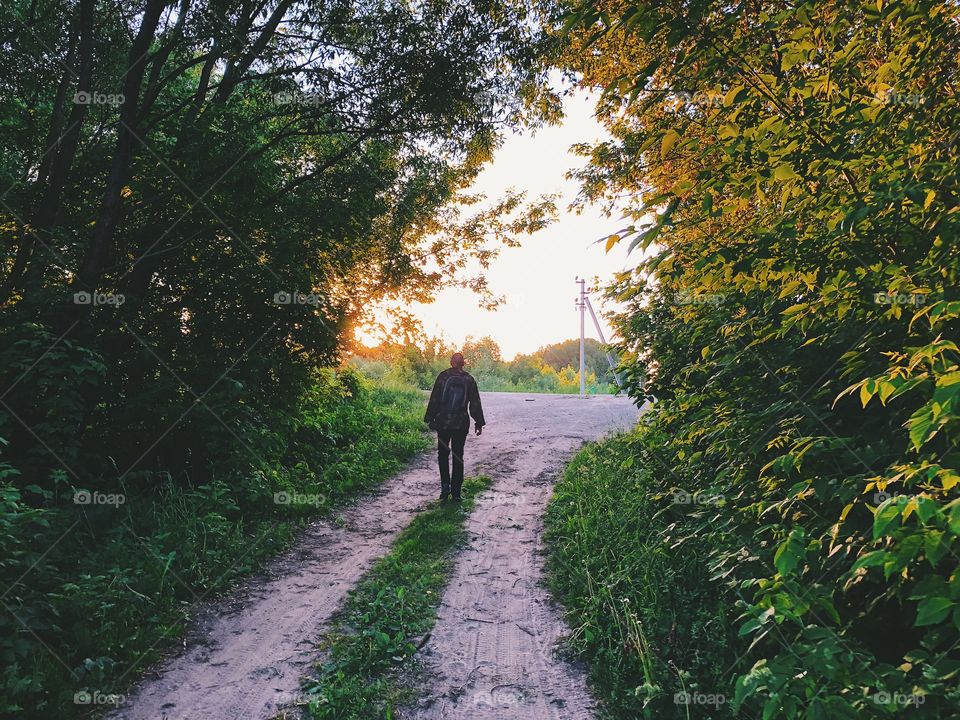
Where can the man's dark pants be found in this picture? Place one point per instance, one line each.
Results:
(447, 441)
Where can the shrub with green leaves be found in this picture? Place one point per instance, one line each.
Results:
(790, 173)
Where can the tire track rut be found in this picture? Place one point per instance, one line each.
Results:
(491, 653)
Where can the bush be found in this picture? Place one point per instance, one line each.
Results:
(398, 367)
(796, 316)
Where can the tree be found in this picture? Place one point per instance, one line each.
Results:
(791, 171)
(208, 198)
(567, 353)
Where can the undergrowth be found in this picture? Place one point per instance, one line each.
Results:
(653, 630)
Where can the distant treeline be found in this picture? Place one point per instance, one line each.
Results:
(551, 369)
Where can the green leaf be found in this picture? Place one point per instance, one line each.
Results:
(927, 509)
(935, 546)
(785, 559)
(932, 610)
(954, 520)
(884, 517)
(871, 559)
(920, 423)
(790, 552)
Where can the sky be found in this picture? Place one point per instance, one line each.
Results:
(538, 278)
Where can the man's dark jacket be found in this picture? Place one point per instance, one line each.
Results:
(473, 402)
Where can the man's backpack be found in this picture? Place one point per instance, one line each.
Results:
(453, 403)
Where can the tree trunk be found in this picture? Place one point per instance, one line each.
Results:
(55, 168)
(91, 268)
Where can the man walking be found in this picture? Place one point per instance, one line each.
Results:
(454, 393)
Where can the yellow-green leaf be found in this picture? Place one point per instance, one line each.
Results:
(728, 130)
(731, 97)
(784, 171)
(669, 140)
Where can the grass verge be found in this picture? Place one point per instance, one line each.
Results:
(371, 667)
(653, 630)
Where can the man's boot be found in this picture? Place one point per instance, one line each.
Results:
(444, 483)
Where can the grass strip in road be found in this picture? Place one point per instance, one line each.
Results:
(371, 668)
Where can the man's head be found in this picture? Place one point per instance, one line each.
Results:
(457, 361)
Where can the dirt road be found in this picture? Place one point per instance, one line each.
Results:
(490, 653)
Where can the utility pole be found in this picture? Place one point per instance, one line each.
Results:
(582, 305)
(596, 323)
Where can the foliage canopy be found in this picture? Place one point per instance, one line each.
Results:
(790, 172)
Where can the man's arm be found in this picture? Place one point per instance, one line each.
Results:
(476, 409)
(431, 412)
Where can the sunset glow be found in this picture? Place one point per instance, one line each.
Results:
(537, 279)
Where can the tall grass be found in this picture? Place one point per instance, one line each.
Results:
(643, 615)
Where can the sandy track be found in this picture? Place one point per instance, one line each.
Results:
(246, 654)
(491, 653)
